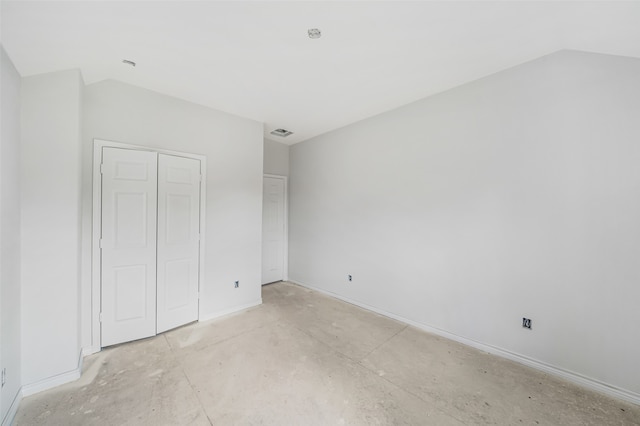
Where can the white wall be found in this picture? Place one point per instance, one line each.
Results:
(50, 203)
(276, 158)
(517, 195)
(233, 147)
(9, 234)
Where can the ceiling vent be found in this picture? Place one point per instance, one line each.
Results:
(283, 133)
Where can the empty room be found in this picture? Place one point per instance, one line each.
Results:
(320, 213)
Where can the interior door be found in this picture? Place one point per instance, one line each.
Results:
(178, 240)
(128, 242)
(273, 229)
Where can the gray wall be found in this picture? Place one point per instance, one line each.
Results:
(276, 158)
(513, 196)
(50, 214)
(233, 146)
(9, 233)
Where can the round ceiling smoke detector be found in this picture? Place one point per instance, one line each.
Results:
(314, 33)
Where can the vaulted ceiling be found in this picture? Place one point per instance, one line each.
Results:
(255, 59)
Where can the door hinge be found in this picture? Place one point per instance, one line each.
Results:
(100, 315)
(100, 243)
(101, 168)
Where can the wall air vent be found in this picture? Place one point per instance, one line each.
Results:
(283, 133)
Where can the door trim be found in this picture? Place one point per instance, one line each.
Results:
(285, 266)
(98, 144)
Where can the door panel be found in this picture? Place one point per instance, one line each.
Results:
(130, 216)
(178, 218)
(273, 228)
(128, 232)
(178, 240)
(130, 292)
(178, 273)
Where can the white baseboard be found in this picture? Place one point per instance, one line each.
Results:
(13, 409)
(90, 350)
(571, 376)
(216, 315)
(53, 381)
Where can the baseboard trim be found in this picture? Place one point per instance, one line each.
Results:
(571, 376)
(13, 409)
(90, 350)
(53, 381)
(223, 313)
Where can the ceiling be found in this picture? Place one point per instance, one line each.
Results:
(255, 59)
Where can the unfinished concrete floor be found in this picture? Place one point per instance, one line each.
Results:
(302, 358)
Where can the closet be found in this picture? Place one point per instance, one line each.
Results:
(149, 243)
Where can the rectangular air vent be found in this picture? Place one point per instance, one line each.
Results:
(281, 132)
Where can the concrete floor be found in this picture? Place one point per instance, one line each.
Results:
(302, 358)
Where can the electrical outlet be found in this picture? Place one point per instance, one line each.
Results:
(349, 277)
(526, 323)
(236, 284)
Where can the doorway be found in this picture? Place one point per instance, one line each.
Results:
(274, 229)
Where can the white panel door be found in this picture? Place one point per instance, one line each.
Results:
(273, 229)
(128, 241)
(178, 240)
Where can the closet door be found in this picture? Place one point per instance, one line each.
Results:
(178, 240)
(128, 242)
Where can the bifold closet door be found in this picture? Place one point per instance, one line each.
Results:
(178, 240)
(128, 242)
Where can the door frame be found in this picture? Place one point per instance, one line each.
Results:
(96, 293)
(285, 266)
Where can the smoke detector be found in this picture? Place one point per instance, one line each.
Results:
(283, 133)
(314, 33)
